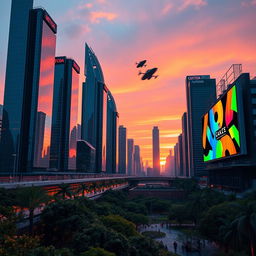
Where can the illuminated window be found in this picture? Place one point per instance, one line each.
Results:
(253, 90)
(253, 100)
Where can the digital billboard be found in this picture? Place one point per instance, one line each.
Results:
(220, 131)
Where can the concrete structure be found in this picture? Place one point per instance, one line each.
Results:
(156, 151)
(122, 150)
(130, 157)
(200, 94)
(180, 158)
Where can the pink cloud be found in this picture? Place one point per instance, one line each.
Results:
(95, 17)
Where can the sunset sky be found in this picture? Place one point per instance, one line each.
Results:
(180, 37)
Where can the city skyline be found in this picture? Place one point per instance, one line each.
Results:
(184, 51)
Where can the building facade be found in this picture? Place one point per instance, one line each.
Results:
(122, 149)
(200, 94)
(137, 161)
(156, 151)
(185, 145)
(27, 110)
(65, 119)
(94, 109)
(130, 157)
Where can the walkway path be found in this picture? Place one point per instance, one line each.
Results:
(172, 235)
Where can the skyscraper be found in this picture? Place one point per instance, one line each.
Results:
(180, 152)
(130, 159)
(65, 115)
(122, 149)
(156, 151)
(31, 53)
(200, 93)
(112, 126)
(137, 161)
(94, 109)
(15, 84)
(185, 145)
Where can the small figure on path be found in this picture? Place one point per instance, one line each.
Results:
(175, 245)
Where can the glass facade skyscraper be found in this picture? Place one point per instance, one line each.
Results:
(28, 101)
(65, 120)
(130, 157)
(201, 93)
(122, 149)
(94, 109)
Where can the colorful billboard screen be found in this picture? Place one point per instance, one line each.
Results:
(220, 131)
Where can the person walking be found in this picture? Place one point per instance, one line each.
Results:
(175, 245)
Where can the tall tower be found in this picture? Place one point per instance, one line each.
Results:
(15, 85)
(137, 161)
(201, 94)
(130, 159)
(94, 109)
(31, 55)
(122, 150)
(65, 115)
(156, 151)
(185, 145)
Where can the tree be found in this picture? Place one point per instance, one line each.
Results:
(31, 198)
(120, 224)
(246, 226)
(65, 191)
(97, 252)
(83, 187)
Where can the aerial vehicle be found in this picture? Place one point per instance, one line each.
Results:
(149, 74)
(141, 64)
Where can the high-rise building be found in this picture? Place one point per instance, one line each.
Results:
(112, 126)
(185, 145)
(94, 109)
(156, 151)
(180, 158)
(1, 117)
(65, 118)
(200, 93)
(130, 157)
(137, 160)
(122, 149)
(229, 136)
(31, 57)
(176, 160)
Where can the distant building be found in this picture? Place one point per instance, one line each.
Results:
(1, 117)
(176, 160)
(156, 151)
(137, 161)
(200, 94)
(122, 149)
(130, 157)
(180, 158)
(32, 41)
(65, 127)
(185, 145)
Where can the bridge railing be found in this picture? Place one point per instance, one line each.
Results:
(55, 176)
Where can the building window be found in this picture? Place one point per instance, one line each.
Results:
(254, 122)
(253, 90)
(254, 111)
(253, 100)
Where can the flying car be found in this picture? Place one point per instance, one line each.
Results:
(141, 64)
(148, 74)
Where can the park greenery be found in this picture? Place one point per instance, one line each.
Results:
(72, 225)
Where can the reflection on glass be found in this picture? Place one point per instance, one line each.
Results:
(45, 94)
(74, 127)
(104, 130)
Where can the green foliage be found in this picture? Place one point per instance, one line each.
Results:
(50, 251)
(137, 219)
(97, 252)
(153, 234)
(178, 213)
(65, 191)
(61, 220)
(120, 225)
